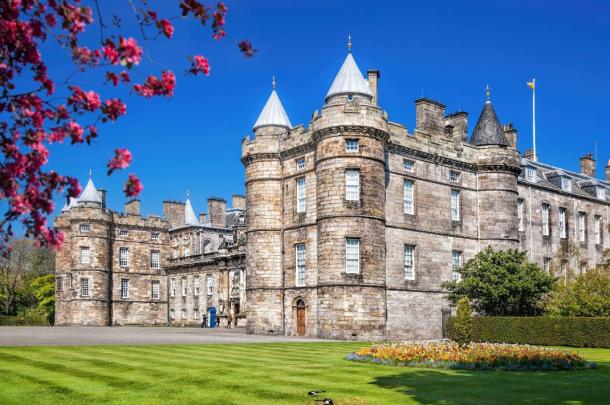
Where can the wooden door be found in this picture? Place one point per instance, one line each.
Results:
(301, 319)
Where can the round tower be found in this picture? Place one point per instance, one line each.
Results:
(261, 158)
(498, 165)
(84, 263)
(350, 137)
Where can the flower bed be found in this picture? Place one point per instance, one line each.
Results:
(474, 356)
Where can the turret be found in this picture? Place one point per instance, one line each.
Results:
(261, 158)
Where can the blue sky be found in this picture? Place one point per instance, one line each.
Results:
(447, 50)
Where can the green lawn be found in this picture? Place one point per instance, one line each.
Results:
(271, 373)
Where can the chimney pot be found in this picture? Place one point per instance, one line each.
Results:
(529, 154)
(132, 207)
(238, 201)
(217, 211)
(587, 165)
(373, 77)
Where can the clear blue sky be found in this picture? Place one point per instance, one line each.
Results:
(448, 49)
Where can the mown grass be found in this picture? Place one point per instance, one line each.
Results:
(279, 373)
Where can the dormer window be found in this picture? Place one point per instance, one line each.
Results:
(351, 145)
(601, 193)
(566, 184)
(530, 174)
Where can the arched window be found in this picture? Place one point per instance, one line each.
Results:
(206, 246)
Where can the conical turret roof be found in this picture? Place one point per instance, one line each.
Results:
(349, 80)
(273, 113)
(189, 214)
(488, 130)
(90, 193)
(73, 202)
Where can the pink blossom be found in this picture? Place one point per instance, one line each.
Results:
(199, 65)
(121, 160)
(133, 186)
(157, 87)
(113, 109)
(246, 48)
(166, 27)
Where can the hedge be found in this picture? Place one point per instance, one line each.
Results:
(560, 331)
(30, 320)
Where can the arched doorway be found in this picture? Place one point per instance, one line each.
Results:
(300, 305)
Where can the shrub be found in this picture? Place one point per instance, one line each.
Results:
(462, 325)
(25, 320)
(587, 295)
(566, 331)
(473, 356)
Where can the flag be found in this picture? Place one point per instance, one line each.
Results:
(531, 85)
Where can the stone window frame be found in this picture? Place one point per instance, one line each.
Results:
(153, 290)
(521, 214)
(196, 285)
(582, 227)
(187, 251)
(598, 229)
(352, 145)
(456, 211)
(85, 287)
(566, 184)
(155, 264)
(531, 174)
(300, 264)
(300, 164)
(563, 223)
(82, 256)
(546, 226)
(184, 314)
(172, 314)
(455, 275)
(301, 195)
(408, 165)
(154, 236)
(84, 228)
(352, 241)
(210, 284)
(408, 203)
(184, 286)
(409, 262)
(172, 287)
(352, 193)
(455, 177)
(123, 257)
(546, 264)
(124, 288)
(195, 313)
(59, 284)
(123, 233)
(600, 192)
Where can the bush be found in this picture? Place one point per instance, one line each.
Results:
(566, 331)
(25, 320)
(462, 325)
(587, 295)
(473, 356)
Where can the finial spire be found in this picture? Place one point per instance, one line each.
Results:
(273, 82)
(349, 43)
(188, 194)
(487, 92)
(90, 173)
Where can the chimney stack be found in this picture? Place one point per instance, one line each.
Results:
(238, 202)
(529, 154)
(373, 76)
(102, 194)
(608, 171)
(132, 207)
(510, 133)
(430, 117)
(202, 218)
(217, 210)
(587, 165)
(459, 121)
(173, 212)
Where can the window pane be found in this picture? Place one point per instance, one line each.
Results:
(301, 195)
(455, 205)
(124, 288)
(351, 145)
(408, 197)
(123, 253)
(300, 264)
(352, 185)
(409, 262)
(352, 256)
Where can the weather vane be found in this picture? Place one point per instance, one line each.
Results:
(349, 42)
(487, 92)
(90, 173)
(188, 194)
(273, 82)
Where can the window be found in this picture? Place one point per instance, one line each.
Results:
(301, 197)
(300, 164)
(352, 256)
(456, 264)
(124, 289)
(184, 314)
(455, 205)
(85, 255)
(601, 193)
(408, 165)
(454, 176)
(172, 287)
(84, 287)
(59, 284)
(187, 251)
(124, 232)
(546, 264)
(300, 264)
(123, 259)
(583, 267)
(409, 262)
(84, 228)
(530, 174)
(174, 253)
(563, 231)
(172, 313)
(582, 226)
(566, 184)
(196, 285)
(520, 214)
(155, 262)
(184, 286)
(409, 207)
(352, 185)
(154, 236)
(351, 145)
(196, 313)
(155, 289)
(598, 230)
(210, 284)
(546, 229)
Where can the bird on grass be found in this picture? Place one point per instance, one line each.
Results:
(325, 401)
(314, 393)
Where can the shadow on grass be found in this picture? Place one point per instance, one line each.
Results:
(450, 387)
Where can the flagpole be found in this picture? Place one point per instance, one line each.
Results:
(534, 118)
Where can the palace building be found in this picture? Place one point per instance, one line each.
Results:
(348, 229)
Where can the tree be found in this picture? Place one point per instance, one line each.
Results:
(43, 288)
(37, 110)
(14, 269)
(587, 295)
(462, 324)
(501, 283)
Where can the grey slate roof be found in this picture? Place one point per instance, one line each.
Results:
(273, 114)
(189, 214)
(349, 80)
(488, 130)
(90, 193)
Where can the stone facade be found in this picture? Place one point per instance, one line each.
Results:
(348, 229)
